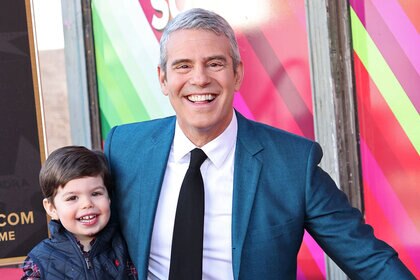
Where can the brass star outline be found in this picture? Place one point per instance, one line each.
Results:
(6, 44)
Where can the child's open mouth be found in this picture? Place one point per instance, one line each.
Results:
(88, 219)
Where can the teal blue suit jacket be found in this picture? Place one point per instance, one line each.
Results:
(278, 191)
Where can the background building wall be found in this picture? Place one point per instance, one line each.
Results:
(52, 68)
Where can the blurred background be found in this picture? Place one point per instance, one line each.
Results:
(345, 73)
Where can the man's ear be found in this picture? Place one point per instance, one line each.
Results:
(50, 209)
(162, 79)
(239, 75)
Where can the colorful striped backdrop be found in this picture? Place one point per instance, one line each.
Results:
(386, 45)
(273, 43)
(386, 41)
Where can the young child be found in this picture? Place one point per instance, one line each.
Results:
(76, 185)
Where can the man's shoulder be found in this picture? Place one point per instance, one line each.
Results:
(266, 132)
(131, 137)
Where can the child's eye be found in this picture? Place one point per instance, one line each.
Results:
(70, 198)
(97, 193)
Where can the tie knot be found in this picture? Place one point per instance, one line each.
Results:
(197, 158)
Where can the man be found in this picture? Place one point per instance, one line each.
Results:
(262, 185)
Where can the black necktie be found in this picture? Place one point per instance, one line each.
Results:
(187, 239)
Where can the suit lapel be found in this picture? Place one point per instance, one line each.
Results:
(155, 159)
(246, 174)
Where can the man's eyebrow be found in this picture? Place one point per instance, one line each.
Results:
(218, 57)
(178, 61)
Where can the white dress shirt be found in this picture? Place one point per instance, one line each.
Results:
(217, 172)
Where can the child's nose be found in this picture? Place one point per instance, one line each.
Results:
(87, 203)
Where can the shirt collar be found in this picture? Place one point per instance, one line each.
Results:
(216, 150)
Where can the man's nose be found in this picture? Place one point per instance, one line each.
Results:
(200, 76)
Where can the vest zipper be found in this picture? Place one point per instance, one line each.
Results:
(88, 263)
(89, 266)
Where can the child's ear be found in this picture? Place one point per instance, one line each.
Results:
(50, 209)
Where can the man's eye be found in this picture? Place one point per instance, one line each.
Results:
(182, 66)
(216, 65)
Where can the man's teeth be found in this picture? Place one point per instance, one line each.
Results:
(201, 97)
(87, 218)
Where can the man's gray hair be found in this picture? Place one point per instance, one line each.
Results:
(198, 18)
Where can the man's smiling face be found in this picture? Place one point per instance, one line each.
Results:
(200, 82)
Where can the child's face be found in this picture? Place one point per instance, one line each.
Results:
(82, 206)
